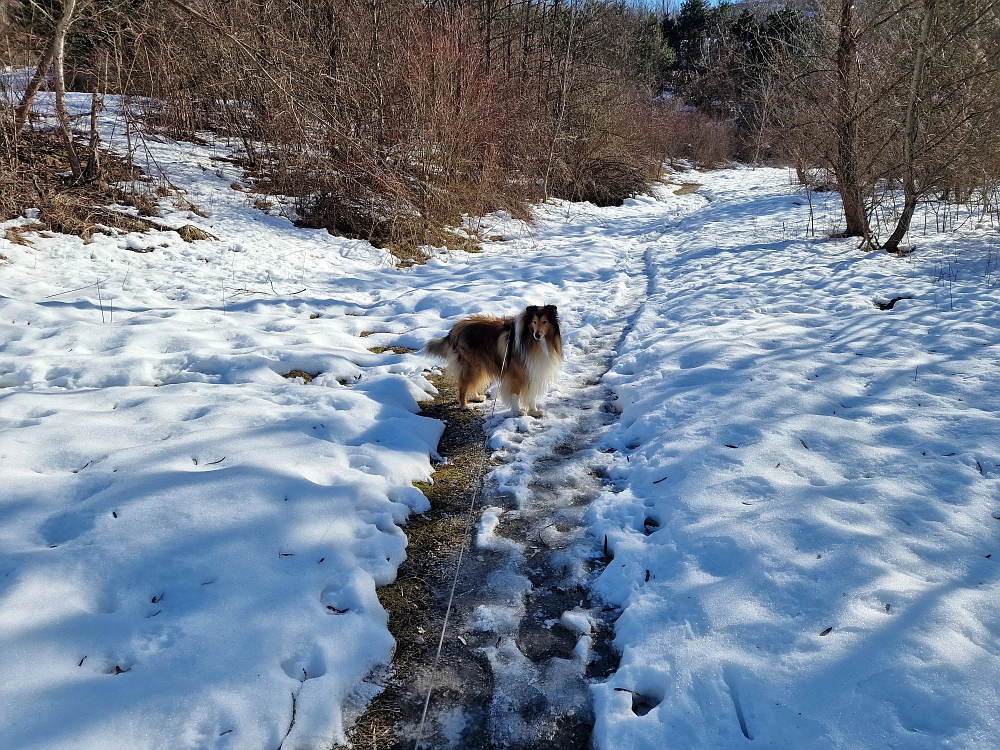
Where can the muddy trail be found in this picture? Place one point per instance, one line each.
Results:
(524, 640)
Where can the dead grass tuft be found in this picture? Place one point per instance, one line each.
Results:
(687, 188)
(307, 377)
(15, 236)
(146, 204)
(191, 233)
(391, 349)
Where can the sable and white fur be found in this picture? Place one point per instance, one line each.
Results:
(523, 352)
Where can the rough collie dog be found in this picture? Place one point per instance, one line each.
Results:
(523, 352)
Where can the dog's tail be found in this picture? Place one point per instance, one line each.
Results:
(440, 348)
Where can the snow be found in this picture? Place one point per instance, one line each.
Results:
(190, 539)
(806, 462)
(192, 543)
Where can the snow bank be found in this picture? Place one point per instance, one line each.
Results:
(804, 502)
(191, 541)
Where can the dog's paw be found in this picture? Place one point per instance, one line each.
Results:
(476, 399)
(536, 413)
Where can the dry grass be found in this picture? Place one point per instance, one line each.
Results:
(15, 236)
(687, 188)
(409, 242)
(391, 349)
(406, 234)
(31, 179)
(191, 233)
(305, 376)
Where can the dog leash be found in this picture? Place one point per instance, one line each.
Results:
(465, 541)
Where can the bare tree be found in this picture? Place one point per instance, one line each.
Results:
(54, 51)
(846, 167)
(59, 84)
(950, 96)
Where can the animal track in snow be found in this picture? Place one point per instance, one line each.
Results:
(307, 664)
(64, 527)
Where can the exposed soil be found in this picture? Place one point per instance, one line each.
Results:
(416, 601)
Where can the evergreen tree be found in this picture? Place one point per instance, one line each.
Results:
(689, 33)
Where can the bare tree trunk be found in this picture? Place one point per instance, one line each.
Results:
(911, 190)
(563, 99)
(59, 81)
(93, 167)
(44, 63)
(846, 167)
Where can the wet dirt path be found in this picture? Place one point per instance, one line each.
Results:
(524, 639)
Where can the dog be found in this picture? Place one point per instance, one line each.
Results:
(523, 352)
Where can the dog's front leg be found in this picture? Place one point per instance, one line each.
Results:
(514, 406)
(533, 410)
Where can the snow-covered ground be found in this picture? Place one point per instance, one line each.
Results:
(191, 543)
(806, 494)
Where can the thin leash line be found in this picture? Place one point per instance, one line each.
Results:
(461, 550)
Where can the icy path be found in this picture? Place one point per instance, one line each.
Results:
(541, 633)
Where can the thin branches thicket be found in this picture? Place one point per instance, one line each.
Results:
(389, 119)
(892, 103)
(916, 107)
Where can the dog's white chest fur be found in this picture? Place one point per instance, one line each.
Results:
(541, 362)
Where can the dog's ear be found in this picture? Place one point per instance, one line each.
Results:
(551, 310)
